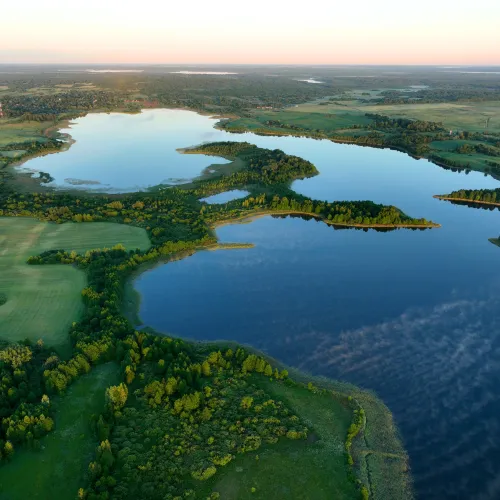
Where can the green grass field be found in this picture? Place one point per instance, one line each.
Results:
(471, 116)
(313, 469)
(58, 470)
(42, 301)
(14, 132)
(446, 149)
(315, 119)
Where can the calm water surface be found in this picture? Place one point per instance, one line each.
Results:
(119, 152)
(234, 194)
(413, 315)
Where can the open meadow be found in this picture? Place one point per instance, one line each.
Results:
(59, 469)
(42, 301)
(472, 116)
(16, 131)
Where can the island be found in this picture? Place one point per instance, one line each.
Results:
(485, 197)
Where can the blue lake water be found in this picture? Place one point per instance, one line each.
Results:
(412, 315)
(119, 152)
(234, 194)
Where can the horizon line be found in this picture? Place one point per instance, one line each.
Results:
(433, 65)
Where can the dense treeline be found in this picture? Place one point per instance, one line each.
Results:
(191, 415)
(485, 149)
(401, 134)
(433, 95)
(28, 149)
(265, 166)
(385, 122)
(341, 212)
(493, 168)
(43, 107)
(170, 215)
(25, 410)
(475, 195)
(441, 160)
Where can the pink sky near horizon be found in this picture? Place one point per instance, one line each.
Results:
(262, 32)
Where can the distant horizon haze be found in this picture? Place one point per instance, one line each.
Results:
(319, 33)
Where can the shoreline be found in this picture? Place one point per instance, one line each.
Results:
(262, 213)
(464, 200)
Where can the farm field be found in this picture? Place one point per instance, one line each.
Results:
(58, 470)
(42, 301)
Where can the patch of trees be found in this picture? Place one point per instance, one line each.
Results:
(485, 149)
(279, 124)
(493, 167)
(424, 96)
(476, 195)
(229, 94)
(29, 149)
(342, 212)
(447, 162)
(48, 107)
(25, 411)
(385, 122)
(192, 414)
(261, 166)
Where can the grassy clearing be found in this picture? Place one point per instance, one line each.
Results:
(14, 132)
(471, 116)
(336, 119)
(302, 470)
(446, 149)
(380, 459)
(42, 301)
(58, 470)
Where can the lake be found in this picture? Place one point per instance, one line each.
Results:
(117, 152)
(412, 315)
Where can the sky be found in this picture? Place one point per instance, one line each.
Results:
(255, 32)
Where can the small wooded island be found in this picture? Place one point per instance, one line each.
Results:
(476, 196)
(175, 419)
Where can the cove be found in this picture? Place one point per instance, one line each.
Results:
(413, 315)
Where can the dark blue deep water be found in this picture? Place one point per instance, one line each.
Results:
(412, 315)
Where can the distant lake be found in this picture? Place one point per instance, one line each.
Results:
(412, 315)
(119, 152)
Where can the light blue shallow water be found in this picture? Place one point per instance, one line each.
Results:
(413, 315)
(234, 194)
(119, 152)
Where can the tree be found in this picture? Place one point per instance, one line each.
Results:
(116, 396)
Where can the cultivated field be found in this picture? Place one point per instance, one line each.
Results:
(42, 301)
